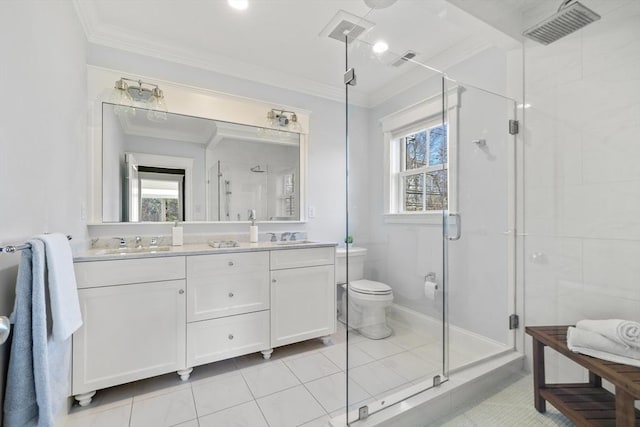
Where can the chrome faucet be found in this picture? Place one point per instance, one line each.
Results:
(293, 236)
(283, 236)
(138, 242)
(154, 242)
(273, 237)
(123, 243)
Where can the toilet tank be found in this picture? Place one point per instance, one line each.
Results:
(356, 264)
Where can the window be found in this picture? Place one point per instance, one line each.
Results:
(423, 170)
(420, 160)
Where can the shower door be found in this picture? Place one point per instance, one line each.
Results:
(480, 236)
(396, 200)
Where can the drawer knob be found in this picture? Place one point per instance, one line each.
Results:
(230, 263)
(230, 294)
(230, 336)
(273, 280)
(181, 291)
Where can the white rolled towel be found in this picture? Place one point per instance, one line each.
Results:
(624, 332)
(594, 344)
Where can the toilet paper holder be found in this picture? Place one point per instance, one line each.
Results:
(431, 277)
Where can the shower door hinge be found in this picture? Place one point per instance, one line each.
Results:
(363, 412)
(350, 77)
(437, 380)
(514, 321)
(514, 127)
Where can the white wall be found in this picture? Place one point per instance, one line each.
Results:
(582, 200)
(42, 131)
(402, 254)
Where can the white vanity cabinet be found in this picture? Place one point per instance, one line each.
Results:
(152, 315)
(302, 295)
(227, 306)
(131, 330)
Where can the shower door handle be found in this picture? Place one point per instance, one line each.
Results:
(458, 226)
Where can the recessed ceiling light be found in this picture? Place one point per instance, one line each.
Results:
(239, 4)
(380, 47)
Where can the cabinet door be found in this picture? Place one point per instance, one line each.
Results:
(303, 304)
(226, 284)
(130, 332)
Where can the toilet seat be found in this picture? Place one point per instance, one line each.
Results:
(369, 287)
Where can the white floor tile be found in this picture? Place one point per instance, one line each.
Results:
(311, 367)
(211, 371)
(190, 423)
(318, 422)
(269, 378)
(337, 354)
(407, 339)
(409, 366)
(117, 416)
(431, 352)
(166, 409)
(379, 349)
(375, 378)
(331, 392)
(290, 408)
(220, 393)
(245, 415)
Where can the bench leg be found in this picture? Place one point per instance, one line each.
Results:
(538, 375)
(625, 411)
(595, 380)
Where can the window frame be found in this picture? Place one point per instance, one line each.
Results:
(422, 115)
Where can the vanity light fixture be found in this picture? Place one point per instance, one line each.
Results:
(283, 119)
(128, 97)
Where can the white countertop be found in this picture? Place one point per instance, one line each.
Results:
(193, 249)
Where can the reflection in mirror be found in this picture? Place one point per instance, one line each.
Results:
(195, 169)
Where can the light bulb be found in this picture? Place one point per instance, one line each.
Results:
(380, 47)
(239, 4)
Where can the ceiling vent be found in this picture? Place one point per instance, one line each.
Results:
(404, 58)
(344, 23)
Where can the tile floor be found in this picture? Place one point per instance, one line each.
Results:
(301, 385)
(511, 405)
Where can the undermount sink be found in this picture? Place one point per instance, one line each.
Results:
(143, 250)
(293, 242)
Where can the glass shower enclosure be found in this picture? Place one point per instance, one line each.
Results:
(436, 159)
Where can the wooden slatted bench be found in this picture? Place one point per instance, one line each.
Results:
(585, 404)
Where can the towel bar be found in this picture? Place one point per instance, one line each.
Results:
(13, 248)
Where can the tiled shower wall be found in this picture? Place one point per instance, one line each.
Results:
(582, 172)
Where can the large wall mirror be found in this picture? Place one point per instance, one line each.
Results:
(185, 168)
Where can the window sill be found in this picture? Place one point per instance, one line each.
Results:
(414, 218)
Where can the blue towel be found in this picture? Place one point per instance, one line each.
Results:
(28, 392)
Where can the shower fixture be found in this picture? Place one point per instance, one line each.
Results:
(283, 119)
(128, 97)
(257, 169)
(571, 16)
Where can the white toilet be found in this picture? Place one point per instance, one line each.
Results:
(368, 300)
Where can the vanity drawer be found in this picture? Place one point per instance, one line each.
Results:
(218, 339)
(227, 284)
(122, 271)
(292, 258)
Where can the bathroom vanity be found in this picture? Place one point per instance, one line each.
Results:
(147, 314)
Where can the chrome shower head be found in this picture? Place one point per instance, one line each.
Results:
(564, 22)
(257, 169)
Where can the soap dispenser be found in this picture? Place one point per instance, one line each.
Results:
(253, 228)
(176, 234)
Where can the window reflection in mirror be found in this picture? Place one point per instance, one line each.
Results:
(195, 169)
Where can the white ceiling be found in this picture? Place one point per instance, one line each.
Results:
(278, 42)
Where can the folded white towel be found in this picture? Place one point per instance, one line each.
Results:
(624, 332)
(63, 291)
(597, 345)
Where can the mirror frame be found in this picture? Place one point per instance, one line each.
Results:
(190, 101)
